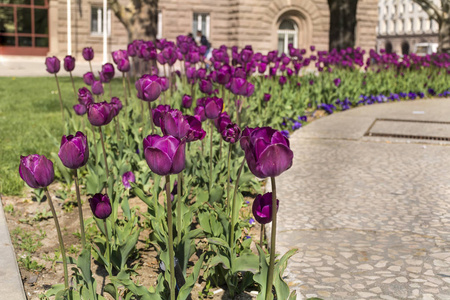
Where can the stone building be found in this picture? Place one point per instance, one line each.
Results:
(402, 24)
(39, 27)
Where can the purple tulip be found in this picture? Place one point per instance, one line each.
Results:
(250, 89)
(262, 208)
(123, 65)
(69, 63)
(222, 121)
(262, 68)
(337, 82)
(267, 152)
(127, 178)
(131, 50)
(312, 48)
(158, 112)
(74, 150)
(100, 114)
(148, 89)
(85, 96)
(282, 80)
(238, 86)
(173, 123)
(205, 86)
(89, 78)
(186, 101)
(100, 206)
(97, 88)
(36, 170)
(213, 107)
(118, 55)
(199, 111)
(267, 97)
(88, 53)
(116, 105)
(164, 82)
(196, 131)
(53, 64)
(164, 155)
(80, 109)
(231, 133)
(107, 73)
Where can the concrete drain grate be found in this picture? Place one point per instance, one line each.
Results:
(410, 129)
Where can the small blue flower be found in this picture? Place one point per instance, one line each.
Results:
(296, 126)
(247, 237)
(251, 221)
(285, 133)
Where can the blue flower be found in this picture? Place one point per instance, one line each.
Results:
(251, 221)
(296, 125)
(285, 133)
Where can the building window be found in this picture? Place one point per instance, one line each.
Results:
(405, 48)
(287, 34)
(159, 26)
(97, 20)
(388, 47)
(201, 22)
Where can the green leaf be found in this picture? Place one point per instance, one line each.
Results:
(246, 262)
(191, 280)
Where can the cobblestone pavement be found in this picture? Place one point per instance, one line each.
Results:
(370, 216)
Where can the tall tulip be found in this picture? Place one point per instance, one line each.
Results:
(53, 66)
(37, 171)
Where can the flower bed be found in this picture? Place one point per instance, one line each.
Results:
(191, 167)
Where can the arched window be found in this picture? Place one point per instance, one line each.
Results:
(405, 48)
(287, 34)
(388, 47)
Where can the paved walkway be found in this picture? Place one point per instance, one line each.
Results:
(369, 215)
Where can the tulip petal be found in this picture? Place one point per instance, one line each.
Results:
(44, 172)
(27, 176)
(158, 161)
(179, 159)
(71, 155)
(275, 160)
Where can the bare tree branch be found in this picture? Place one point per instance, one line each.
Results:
(433, 11)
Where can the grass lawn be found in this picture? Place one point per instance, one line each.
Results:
(29, 108)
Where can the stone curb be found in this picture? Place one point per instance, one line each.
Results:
(11, 286)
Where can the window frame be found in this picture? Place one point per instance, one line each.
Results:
(100, 23)
(286, 33)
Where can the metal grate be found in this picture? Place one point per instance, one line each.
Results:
(407, 136)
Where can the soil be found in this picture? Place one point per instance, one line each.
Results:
(25, 219)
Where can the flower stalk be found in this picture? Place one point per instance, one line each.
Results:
(60, 239)
(272, 241)
(80, 210)
(170, 242)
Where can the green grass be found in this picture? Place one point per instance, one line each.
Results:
(29, 108)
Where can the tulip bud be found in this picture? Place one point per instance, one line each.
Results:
(88, 78)
(74, 150)
(100, 114)
(88, 53)
(97, 87)
(262, 208)
(100, 206)
(164, 155)
(148, 89)
(53, 64)
(127, 178)
(186, 101)
(69, 63)
(36, 170)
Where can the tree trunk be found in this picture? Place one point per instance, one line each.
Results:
(342, 23)
(444, 35)
(139, 17)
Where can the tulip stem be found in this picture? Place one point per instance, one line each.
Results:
(272, 240)
(60, 239)
(179, 217)
(73, 86)
(124, 89)
(170, 229)
(261, 238)
(210, 156)
(90, 66)
(233, 207)
(228, 179)
(95, 143)
(151, 116)
(80, 210)
(110, 90)
(60, 98)
(128, 84)
(104, 157)
(108, 254)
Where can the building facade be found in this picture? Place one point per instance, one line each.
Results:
(39, 27)
(402, 24)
